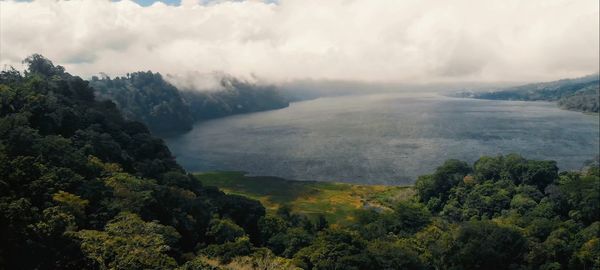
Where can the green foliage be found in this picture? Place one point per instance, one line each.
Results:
(130, 243)
(197, 264)
(237, 96)
(334, 249)
(288, 243)
(586, 99)
(83, 188)
(147, 97)
(221, 231)
(579, 94)
(70, 164)
(227, 251)
(485, 245)
(437, 185)
(386, 254)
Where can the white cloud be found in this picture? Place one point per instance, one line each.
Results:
(383, 40)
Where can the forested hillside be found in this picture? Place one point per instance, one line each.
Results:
(236, 97)
(147, 97)
(585, 100)
(83, 188)
(581, 94)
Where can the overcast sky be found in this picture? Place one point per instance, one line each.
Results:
(383, 40)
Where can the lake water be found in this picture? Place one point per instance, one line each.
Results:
(385, 138)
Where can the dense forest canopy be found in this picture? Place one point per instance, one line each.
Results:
(581, 94)
(84, 188)
(147, 97)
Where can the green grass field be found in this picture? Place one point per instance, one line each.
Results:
(337, 201)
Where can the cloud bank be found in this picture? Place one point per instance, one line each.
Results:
(385, 40)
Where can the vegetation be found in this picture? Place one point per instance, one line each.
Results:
(580, 94)
(236, 97)
(83, 188)
(147, 97)
(337, 202)
(585, 100)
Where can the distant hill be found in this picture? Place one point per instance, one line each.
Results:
(147, 97)
(580, 94)
(236, 97)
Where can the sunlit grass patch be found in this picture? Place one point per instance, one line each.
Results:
(337, 201)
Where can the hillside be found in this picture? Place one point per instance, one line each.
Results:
(581, 94)
(84, 188)
(236, 97)
(147, 97)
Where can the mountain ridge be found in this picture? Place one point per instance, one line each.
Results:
(578, 94)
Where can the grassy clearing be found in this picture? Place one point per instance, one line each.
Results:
(337, 201)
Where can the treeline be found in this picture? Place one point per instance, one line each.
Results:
(84, 188)
(580, 94)
(585, 100)
(147, 97)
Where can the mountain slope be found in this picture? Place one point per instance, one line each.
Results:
(147, 97)
(83, 188)
(579, 94)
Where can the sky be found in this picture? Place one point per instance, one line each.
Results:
(150, 2)
(408, 41)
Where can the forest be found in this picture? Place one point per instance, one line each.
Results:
(83, 187)
(581, 94)
(146, 97)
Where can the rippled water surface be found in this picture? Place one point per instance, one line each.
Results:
(388, 138)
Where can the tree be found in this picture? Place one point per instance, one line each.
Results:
(334, 249)
(486, 245)
(130, 243)
(288, 243)
(221, 231)
(437, 185)
(389, 254)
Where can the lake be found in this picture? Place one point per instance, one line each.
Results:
(385, 138)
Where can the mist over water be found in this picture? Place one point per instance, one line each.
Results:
(385, 138)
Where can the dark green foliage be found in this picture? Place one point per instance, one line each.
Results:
(197, 264)
(83, 188)
(128, 242)
(229, 250)
(222, 230)
(485, 245)
(147, 97)
(433, 189)
(515, 213)
(236, 97)
(573, 94)
(586, 100)
(69, 165)
(334, 249)
(406, 219)
(388, 255)
(288, 243)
